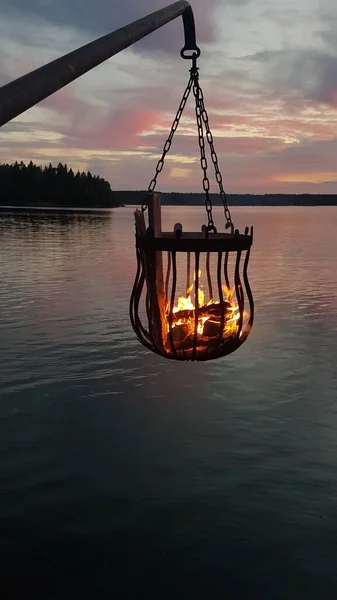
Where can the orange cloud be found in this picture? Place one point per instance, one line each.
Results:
(262, 145)
(312, 177)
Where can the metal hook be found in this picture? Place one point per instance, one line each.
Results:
(194, 69)
(190, 36)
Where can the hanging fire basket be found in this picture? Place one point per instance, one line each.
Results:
(191, 298)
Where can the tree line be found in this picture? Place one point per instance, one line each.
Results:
(198, 199)
(34, 185)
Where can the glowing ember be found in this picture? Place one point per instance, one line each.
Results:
(209, 318)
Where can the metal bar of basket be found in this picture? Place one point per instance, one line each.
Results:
(247, 286)
(221, 300)
(209, 278)
(167, 280)
(196, 304)
(173, 295)
(239, 292)
(188, 274)
(226, 270)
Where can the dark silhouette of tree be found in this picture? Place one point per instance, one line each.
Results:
(37, 185)
(33, 185)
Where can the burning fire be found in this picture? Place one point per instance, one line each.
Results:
(209, 319)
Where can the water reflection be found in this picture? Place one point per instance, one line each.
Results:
(121, 460)
(40, 220)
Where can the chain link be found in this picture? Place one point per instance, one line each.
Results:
(201, 140)
(202, 123)
(202, 119)
(168, 142)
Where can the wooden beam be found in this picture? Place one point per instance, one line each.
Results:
(140, 222)
(22, 93)
(156, 274)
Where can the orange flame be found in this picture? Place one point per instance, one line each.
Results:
(185, 302)
(188, 321)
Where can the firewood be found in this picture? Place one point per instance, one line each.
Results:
(211, 328)
(180, 332)
(183, 314)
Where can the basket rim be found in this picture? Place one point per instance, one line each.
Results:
(190, 241)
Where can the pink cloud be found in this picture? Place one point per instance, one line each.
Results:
(254, 154)
(122, 129)
(64, 101)
(116, 131)
(88, 127)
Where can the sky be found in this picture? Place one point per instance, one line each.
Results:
(268, 70)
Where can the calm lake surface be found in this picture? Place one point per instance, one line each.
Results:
(124, 475)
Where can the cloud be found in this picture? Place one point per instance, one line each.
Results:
(118, 131)
(252, 158)
(103, 16)
(295, 57)
(4, 75)
(268, 73)
(309, 73)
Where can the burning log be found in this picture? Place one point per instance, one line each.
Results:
(183, 315)
(180, 332)
(211, 328)
(214, 310)
(188, 343)
(211, 310)
(211, 319)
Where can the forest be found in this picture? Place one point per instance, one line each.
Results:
(33, 185)
(197, 199)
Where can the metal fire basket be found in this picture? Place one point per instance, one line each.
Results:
(191, 299)
(214, 314)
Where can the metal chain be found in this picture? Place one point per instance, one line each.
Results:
(168, 142)
(201, 140)
(202, 118)
(202, 121)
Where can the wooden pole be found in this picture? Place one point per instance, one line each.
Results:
(22, 93)
(157, 285)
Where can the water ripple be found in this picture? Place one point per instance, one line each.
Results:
(119, 463)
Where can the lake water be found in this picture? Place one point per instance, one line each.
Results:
(124, 475)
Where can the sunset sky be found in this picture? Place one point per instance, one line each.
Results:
(268, 69)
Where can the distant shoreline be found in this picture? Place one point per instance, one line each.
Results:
(39, 207)
(308, 200)
(37, 187)
(198, 199)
